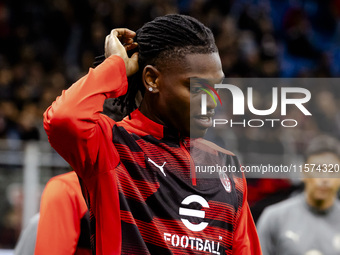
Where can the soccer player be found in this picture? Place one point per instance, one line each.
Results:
(27, 238)
(308, 223)
(142, 190)
(63, 226)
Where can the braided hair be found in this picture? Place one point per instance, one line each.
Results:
(164, 39)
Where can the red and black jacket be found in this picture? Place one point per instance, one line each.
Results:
(140, 177)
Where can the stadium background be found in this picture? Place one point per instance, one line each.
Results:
(46, 45)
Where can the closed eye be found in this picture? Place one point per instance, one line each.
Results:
(195, 90)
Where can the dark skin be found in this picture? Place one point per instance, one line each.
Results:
(172, 102)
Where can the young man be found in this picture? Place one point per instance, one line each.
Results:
(63, 226)
(143, 193)
(310, 222)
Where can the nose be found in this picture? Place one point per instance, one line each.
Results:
(211, 101)
(211, 97)
(208, 102)
(324, 182)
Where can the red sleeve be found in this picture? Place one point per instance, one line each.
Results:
(61, 209)
(75, 126)
(246, 241)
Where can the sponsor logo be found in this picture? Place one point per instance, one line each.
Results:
(336, 242)
(193, 243)
(159, 167)
(292, 235)
(193, 212)
(190, 242)
(225, 181)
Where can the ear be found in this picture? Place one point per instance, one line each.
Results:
(151, 78)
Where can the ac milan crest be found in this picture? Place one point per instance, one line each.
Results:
(225, 181)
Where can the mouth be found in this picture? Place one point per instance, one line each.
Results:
(203, 121)
(323, 189)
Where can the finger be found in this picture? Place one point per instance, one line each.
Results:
(116, 42)
(134, 60)
(130, 46)
(133, 63)
(135, 56)
(115, 32)
(114, 46)
(123, 32)
(128, 33)
(122, 38)
(106, 44)
(127, 40)
(107, 38)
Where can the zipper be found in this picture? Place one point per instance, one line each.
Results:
(192, 164)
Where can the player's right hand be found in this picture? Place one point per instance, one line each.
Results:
(114, 46)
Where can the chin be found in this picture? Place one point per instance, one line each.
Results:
(199, 133)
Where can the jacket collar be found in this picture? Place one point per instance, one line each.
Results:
(142, 126)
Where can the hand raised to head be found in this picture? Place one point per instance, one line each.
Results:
(118, 42)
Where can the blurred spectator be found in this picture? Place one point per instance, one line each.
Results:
(27, 238)
(12, 220)
(255, 39)
(307, 223)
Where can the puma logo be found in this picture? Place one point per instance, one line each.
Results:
(293, 236)
(160, 167)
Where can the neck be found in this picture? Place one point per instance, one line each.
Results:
(148, 110)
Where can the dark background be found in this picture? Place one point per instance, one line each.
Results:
(47, 45)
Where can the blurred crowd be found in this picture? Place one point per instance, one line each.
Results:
(47, 45)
